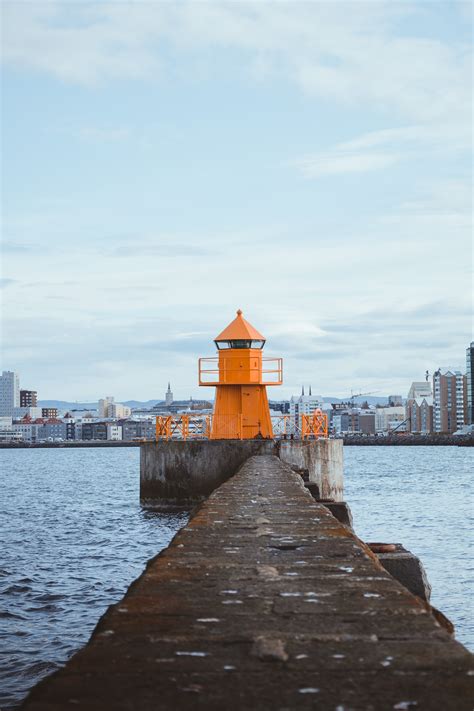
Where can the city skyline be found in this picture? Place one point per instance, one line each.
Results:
(165, 165)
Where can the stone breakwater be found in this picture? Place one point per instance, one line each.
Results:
(264, 601)
(434, 440)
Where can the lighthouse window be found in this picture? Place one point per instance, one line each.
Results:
(239, 344)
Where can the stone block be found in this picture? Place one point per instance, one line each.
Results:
(408, 569)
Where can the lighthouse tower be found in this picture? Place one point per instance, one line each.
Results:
(241, 407)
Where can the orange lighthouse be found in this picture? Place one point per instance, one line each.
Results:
(241, 408)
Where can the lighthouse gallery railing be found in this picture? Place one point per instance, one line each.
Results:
(211, 375)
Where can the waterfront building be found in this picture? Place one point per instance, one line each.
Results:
(9, 392)
(8, 435)
(363, 422)
(49, 413)
(420, 388)
(27, 430)
(5, 428)
(352, 420)
(419, 412)
(470, 383)
(449, 400)
(419, 407)
(168, 396)
(53, 429)
(114, 432)
(28, 398)
(138, 429)
(388, 419)
(94, 430)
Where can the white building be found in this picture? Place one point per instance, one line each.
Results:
(104, 405)
(168, 396)
(419, 407)
(119, 411)
(5, 423)
(421, 388)
(114, 432)
(7, 435)
(304, 405)
(28, 431)
(108, 408)
(9, 392)
(389, 418)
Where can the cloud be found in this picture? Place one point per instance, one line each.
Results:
(4, 282)
(353, 53)
(342, 161)
(380, 149)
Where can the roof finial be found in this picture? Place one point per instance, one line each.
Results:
(239, 312)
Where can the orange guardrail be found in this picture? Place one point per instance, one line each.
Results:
(185, 427)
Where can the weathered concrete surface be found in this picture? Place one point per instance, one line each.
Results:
(264, 601)
(408, 569)
(177, 474)
(322, 459)
(341, 510)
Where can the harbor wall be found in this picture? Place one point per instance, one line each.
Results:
(177, 474)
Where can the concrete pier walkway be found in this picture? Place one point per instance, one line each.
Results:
(264, 601)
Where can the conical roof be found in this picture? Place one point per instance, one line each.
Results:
(240, 329)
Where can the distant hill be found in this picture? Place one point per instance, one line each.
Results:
(382, 400)
(66, 405)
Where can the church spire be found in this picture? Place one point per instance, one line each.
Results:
(310, 390)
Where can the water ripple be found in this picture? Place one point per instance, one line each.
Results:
(75, 537)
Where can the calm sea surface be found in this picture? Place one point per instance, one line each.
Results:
(74, 537)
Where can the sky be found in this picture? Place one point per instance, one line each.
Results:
(166, 163)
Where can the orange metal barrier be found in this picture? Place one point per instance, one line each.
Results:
(184, 427)
(315, 425)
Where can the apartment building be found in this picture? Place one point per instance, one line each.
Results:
(449, 400)
(9, 392)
